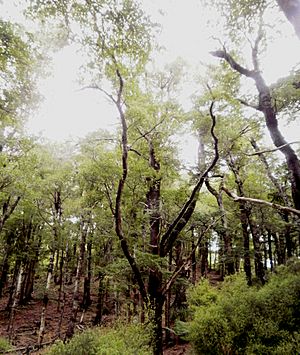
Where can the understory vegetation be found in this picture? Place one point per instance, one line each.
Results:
(124, 339)
(238, 319)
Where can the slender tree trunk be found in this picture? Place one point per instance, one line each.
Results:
(282, 194)
(5, 261)
(225, 235)
(86, 302)
(270, 253)
(100, 300)
(13, 284)
(45, 301)
(243, 219)
(75, 307)
(204, 258)
(259, 269)
(60, 280)
(194, 264)
(16, 298)
(168, 303)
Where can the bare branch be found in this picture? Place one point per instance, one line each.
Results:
(234, 65)
(97, 87)
(237, 198)
(245, 103)
(144, 135)
(271, 149)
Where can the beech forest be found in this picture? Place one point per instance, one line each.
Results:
(175, 228)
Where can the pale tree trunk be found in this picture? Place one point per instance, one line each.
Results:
(75, 307)
(45, 301)
(16, 298)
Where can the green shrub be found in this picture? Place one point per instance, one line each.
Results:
(119, 340)
(238, 319)
(4, 345)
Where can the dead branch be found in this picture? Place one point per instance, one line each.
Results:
(271, 149)
(237, 198)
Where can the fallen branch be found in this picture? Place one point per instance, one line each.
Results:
(30, 347)
(257, 201)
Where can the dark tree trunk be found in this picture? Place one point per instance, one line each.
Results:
(227, 252)
(266, 106)
(244, 214)
(5, 262)
(259, 268)
(204, 258)
(291, 9)
(60, 280)
(87, 301)
(282, 194)
(156, 303)
(100, 300)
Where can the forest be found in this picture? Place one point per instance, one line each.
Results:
(113, 243)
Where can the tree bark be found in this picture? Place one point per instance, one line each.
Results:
(228, 253)
(15, 304)
(291, 9)
(45, 300)
(75, 305)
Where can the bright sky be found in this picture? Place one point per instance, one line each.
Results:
(69, 112)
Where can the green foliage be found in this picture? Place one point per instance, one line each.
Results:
(239, 319)
(122, 339)
(4, 345)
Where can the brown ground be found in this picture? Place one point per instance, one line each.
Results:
(26, 324)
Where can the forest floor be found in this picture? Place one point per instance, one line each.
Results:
(27, 319)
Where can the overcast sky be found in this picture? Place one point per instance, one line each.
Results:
(69, 112)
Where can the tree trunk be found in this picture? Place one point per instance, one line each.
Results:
(266, 106)
(291, 9)
(270, 253)
(75, 306)
(86, 301)
(243, 219)
(5, 262)
(15, 304)
(100, 301)
(225, 235)
(156, 302)
(45, 301)
(282, 194)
